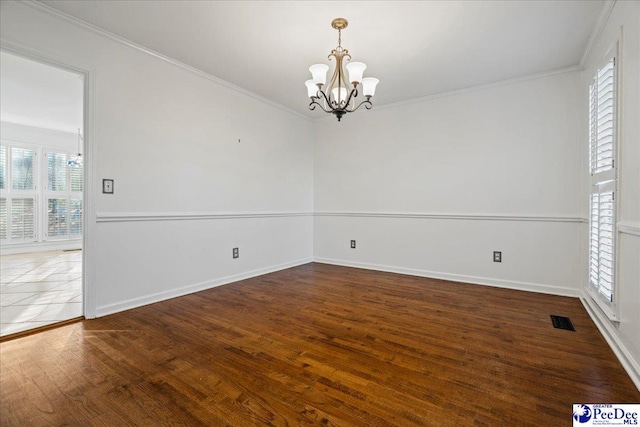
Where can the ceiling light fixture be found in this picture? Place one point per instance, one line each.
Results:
(76, 161)
(339, 99)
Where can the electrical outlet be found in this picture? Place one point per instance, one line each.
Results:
(236, 253)
(497, 256)
(353, 244)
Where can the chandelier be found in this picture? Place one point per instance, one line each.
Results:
(76, 161)
(339, 97)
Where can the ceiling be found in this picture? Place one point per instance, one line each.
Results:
(415, 48)
(35, 94)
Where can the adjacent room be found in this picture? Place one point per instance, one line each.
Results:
(41, 179)
(358, 213)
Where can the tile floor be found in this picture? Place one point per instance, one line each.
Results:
(38, 289)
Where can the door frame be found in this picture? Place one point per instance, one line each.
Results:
(89, 150)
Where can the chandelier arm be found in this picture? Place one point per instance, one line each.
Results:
(326, 98)
(352, 94)
(312, 106)
(367, 104)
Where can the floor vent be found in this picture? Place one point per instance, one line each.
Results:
(561, 322)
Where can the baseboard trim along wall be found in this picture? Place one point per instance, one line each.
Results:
(606, 328)
(476, 280)
(197, 287)
(21, 248)
(177, 216)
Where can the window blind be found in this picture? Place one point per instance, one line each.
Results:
(26, 179)
(3, 167)
(75, 218)
(57, 171)
(22, 163)
(23, 219)
(3, 218)
(77, 177)
(594, 233)
(602, 206)
(601, 242)
(57, 225)
(602, 115)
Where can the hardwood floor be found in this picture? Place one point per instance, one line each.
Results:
(318, 345)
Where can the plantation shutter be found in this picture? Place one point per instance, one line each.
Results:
(23, 219)
(602, 238)
(3, 218)
(3, 167)
(602, 145)
(57, 171)
(602, 206)
(22, 164)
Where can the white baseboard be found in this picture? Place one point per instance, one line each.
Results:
(476, 280)
(611, 335)
(23, 248)
(185, 290)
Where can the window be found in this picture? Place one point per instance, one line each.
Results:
(22, 162)
(18, 200)
(30, 212)
(603, 175)
(64, 197)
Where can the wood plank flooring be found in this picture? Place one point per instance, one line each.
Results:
(318, 345)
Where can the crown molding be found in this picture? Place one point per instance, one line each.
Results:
(37, 5)
(605, 12)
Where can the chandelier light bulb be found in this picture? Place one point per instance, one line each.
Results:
(339, 97)
(312, 89)
(369, 86)
(319, 73)
(76, 161)
(356, 69)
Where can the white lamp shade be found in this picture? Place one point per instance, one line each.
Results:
(356, 69)
(343, 95)
(369, 86)
(319, 73)
(312, 89)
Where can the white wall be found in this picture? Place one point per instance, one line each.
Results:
(434, 187)
(623, 25)
(169, 139)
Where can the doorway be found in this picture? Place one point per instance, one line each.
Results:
(41, 194)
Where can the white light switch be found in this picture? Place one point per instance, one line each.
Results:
(107, 186)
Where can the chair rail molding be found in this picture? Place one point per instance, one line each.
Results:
(187, 216)
(457, 216)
